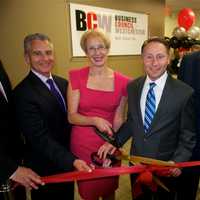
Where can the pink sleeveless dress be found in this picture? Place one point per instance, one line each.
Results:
(84, 140)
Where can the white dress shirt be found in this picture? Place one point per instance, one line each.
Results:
(42, 77)
(158, 90)
(3, 91)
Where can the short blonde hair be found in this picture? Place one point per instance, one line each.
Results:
(94, 33)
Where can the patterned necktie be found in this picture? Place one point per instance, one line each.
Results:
(56, 94)
(150, 107)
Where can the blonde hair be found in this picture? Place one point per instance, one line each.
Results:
(94, 33)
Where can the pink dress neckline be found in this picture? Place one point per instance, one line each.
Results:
(96, 90)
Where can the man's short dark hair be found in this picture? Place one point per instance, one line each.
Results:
(158, 40)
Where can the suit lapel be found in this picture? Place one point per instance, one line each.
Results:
(137, 98)
(139, 93)
(60, 86)
(42, 90)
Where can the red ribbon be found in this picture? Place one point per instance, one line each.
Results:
(96, 173)
(145, 174)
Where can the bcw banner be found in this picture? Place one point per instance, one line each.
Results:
(127, 30)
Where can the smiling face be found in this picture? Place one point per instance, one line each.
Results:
(155, 59)
(40, 56)
(96, 51)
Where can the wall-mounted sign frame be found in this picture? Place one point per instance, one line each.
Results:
(127, 30)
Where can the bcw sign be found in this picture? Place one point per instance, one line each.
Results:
(126, 30)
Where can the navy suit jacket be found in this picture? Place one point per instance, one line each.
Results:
(189, 72)
(172, 132)
(44, 125)
(10, 140)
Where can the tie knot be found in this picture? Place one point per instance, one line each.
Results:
(152, 85)
(50, 81)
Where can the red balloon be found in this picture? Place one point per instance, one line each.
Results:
(186, 18)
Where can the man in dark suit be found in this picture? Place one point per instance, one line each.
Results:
(41, 114)
(160, 120)
(11, 143)
(189, 73)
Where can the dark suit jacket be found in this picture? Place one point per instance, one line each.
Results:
(172, 133)
(10, 142)
(44, 126)
(190, 73)
(188, 68)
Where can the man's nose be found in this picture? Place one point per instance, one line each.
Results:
(155, 61)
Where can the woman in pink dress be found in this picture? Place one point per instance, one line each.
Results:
(96, 98)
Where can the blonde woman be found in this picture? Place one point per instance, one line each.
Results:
(96, 98)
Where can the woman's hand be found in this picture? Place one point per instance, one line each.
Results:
(107, 163)
(105, 149)
(103, 125)
(81, 165)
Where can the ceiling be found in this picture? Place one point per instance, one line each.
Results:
(176, 5)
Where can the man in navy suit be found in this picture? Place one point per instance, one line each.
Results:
(189, 73)
(11, 144)
(170, 135)
(41, 115)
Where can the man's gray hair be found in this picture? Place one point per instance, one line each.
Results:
(36, 36)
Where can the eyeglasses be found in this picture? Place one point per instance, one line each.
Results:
(99, 48)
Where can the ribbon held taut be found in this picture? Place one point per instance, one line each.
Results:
(144, 172)
(147, 169)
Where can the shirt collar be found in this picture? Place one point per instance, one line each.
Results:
(160, 82)
(41, 77)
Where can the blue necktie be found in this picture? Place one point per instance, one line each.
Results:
(56, 94)
(150, 107)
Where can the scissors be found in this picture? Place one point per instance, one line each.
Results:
(119, 155)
